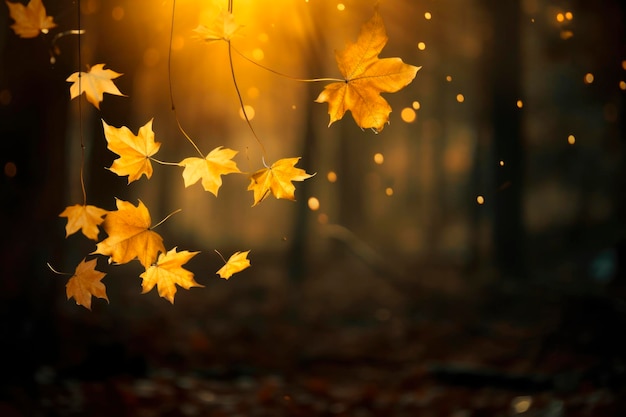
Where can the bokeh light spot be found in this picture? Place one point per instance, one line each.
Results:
(313, 203)
(589, 78)
(460, 98)
(571, 139)
(408, 115)
(379, 158)
(331, 176)
(249, 112)
(10, 169)
(117, 13)
(480, 199)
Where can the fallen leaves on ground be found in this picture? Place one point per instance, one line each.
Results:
(129, 235)
(168, 272)
(277, 180)
(94, 84)
(84, 217)
(210, 169)
(86, 283)
(366, 76)
(236, 263)
(30, 20)
(134, 151)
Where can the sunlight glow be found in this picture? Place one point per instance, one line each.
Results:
(341, 7)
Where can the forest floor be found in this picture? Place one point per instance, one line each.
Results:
(346, 341)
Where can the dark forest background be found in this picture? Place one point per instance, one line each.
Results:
(422, 302)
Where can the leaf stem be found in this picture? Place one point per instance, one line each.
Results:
(304, 80)
(221, 256)
(163, 162)
(55, 271)
(169, 80)
(243, 108)
(166, 217)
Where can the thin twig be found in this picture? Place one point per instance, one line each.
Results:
(166, 217)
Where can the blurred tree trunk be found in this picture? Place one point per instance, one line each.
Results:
(504, 71)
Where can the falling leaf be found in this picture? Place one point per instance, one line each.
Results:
(134, 151)
(223, 27)
(86, 282)
(94, 84)
(83, 217)
(130, 236)
(210, 169)
(30, 20)
(366, 76)
(236, 263)
(168, 272)
(277, 180)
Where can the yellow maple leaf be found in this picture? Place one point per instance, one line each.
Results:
(83, 217)
(129, 235)
(94, 84)
(223, 27)
(86, 282)
(31, 19)
(217, 163)
(134, 151)
(277, 180)
(366, 76)
(168, 272)
(236, 263)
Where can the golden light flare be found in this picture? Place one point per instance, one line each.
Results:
(416, 105)
(388, 191)
(571, 139)
(589, 78)
(341, 7)
(421, 46)
(501, 163)
(379, 158)
(249, 112)
(331, 176)
(428, 16)
(520, 104)
(408, 115)
(569, 15)
(460, 98)
(449, 78)
(313, 203)
(117, 13)
(560, 17)
(480, 200)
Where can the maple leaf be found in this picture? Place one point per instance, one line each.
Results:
(94, 84)
(223, 27)
(86, 282)
(365, 77)
(168, 272)
(130, 236)
(30, 19)
(277, 180)
(134, 151)
(217, 163)
(236, 263)
(83, 217)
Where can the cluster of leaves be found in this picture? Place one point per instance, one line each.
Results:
(130, 235)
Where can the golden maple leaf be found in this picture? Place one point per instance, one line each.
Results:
(83, 217)
(168, 272)
(134, 151)
(223, 27)
(217, 163)
(366, 76)
(277, 180)
(86, 282)
(236, 263)
(31, 19)
(130, 236)
(94, 84)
